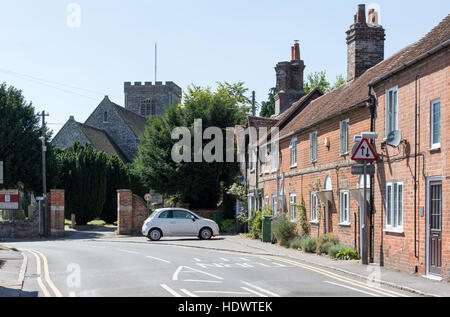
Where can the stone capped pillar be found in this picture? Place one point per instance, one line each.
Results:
(125, 211)
(57, 212)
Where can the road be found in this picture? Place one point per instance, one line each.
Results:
(85, 267)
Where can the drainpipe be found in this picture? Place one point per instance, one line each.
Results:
(372, 107)
(415, 170)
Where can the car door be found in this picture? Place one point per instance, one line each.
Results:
(183, 223)
(164, 222)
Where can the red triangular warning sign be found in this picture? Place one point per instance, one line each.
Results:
(364, 152)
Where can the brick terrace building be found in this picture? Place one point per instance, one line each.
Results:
(408, 201)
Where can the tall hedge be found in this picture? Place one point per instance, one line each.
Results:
(83, 176)
(116, 178)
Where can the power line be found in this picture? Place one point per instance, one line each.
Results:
(46, 82)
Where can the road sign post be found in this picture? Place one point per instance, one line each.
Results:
(365, 153)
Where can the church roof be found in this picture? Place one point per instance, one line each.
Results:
(101, 141)
(136, 122)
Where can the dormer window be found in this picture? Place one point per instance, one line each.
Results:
(148, 107)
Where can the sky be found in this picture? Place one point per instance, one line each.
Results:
(66, 65)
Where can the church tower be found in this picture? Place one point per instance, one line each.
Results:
(151, 99)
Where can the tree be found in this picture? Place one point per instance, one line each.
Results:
(20, 147)
(318, 80)
(201, 184)
(268, 107)
(83, 176)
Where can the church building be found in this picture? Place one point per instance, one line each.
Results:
(115, 129)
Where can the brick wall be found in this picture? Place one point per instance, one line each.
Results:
(132, 211)
(57, 213)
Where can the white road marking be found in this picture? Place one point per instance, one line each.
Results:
(262, 264)
(202, 281)
(178, 271)
(171, 291)
(197, 260)
(225, 259)
(261, 289)
(221, 292)
(352, 288)
(244, 259)
(188, 293)
(158, 259)
(254, 292)
(127, 251)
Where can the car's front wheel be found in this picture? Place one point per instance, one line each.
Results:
(205, 234)
(155, 235)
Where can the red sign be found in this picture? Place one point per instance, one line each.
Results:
(364, 152)
(9, 199)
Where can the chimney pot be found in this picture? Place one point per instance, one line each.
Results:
(361, 13)
(296, 51)
(292, 53)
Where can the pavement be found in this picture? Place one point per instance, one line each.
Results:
(99, 263)
(12, 271)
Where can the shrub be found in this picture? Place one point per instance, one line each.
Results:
(304, 229)
(309, 244)
(325, 242)
(324, 248)
(335, 249)
(255, 224)
(283, 230)
(228, 225)
(296, 243)
(349, 254)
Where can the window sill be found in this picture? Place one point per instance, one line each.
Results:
(293, 166)
(393, 230)
(314, 222)
(435, 148)
(345, 224)
(345, 154)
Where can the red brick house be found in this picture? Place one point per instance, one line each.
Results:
(408, 225)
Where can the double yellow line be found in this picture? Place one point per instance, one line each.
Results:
(38, 255)
(366, 286)
(344, 279)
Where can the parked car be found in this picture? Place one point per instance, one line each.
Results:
(172, 222)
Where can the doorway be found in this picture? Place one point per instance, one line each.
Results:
(434, 223)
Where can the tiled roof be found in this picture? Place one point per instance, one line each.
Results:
(136, 122)
(259, 122)
(101, 141)
(355, 93)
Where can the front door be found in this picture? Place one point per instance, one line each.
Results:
(435, 222)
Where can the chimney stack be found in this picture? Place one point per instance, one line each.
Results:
(289, 81)
(365, 43)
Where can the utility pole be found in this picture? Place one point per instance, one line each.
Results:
(44, 149)
(253, 103)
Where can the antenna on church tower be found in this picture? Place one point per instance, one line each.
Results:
(156, 60)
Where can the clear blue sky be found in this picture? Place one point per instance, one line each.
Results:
(199, 41)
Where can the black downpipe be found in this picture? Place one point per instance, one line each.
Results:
(372, 106)
(415, 169)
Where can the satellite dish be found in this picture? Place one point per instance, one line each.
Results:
(394, 138)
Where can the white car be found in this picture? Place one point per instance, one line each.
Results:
(172, 222)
